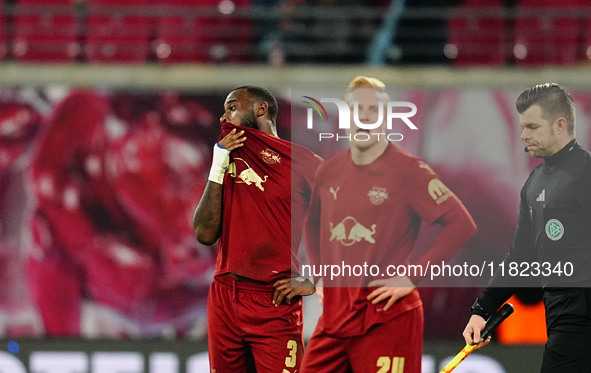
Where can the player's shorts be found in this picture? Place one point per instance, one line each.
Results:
(247, 333)
(568, 322)
(395, 346)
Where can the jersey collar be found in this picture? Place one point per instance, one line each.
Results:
(561, 154)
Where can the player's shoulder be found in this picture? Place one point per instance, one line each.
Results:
(584, 155)
(338, 158)
(584, 160)
(304, 153)
(304, 162)
(404, 159)
(333, 164)
(578, 163)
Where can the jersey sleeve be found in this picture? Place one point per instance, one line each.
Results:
(428, 196)
(304, 166)
(434, 202)
(583, 188)
(312, 227)
(502, 287)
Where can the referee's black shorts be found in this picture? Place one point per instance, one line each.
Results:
(568, 323)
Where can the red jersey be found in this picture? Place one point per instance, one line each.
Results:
(370, 214)
(266, 192)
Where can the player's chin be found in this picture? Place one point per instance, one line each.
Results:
(363, 142)
(538, 153)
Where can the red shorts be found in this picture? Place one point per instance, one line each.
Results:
(395, 346)
(247, 333)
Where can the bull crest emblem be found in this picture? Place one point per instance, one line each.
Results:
(270, 156)
(247, 176)
(357, 232)
(377, 195)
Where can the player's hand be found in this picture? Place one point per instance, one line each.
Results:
(391, 289)
(472, 332)
(288, 288)
(233, 140)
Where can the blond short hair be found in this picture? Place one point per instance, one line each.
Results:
(366, 82)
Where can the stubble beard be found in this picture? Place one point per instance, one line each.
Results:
(249, 120)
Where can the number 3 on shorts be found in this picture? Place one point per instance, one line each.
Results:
(292, 346)
(385, 362)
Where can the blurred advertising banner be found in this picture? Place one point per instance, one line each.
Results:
(178, 356)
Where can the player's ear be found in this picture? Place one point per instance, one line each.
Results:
(561, 125)
(261, 109)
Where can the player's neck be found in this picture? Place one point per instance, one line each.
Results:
(560, 145)
(368, 155)
(268, 127)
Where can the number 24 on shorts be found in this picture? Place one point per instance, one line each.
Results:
(390, 365)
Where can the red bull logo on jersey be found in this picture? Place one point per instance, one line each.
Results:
(438, 191)
(350, 231)
(248, 175)
(377, 195)
(270, 156)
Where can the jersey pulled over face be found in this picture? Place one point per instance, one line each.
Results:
(266, 191)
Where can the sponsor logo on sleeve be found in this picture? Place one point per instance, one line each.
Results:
(438, 191)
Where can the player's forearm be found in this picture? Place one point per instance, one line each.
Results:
(207, 218)
(501, 287)
(493, 297)
(458, 229)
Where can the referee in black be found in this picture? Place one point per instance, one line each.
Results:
(552, 242)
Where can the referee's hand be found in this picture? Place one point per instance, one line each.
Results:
(288, 288)
(472, 332)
